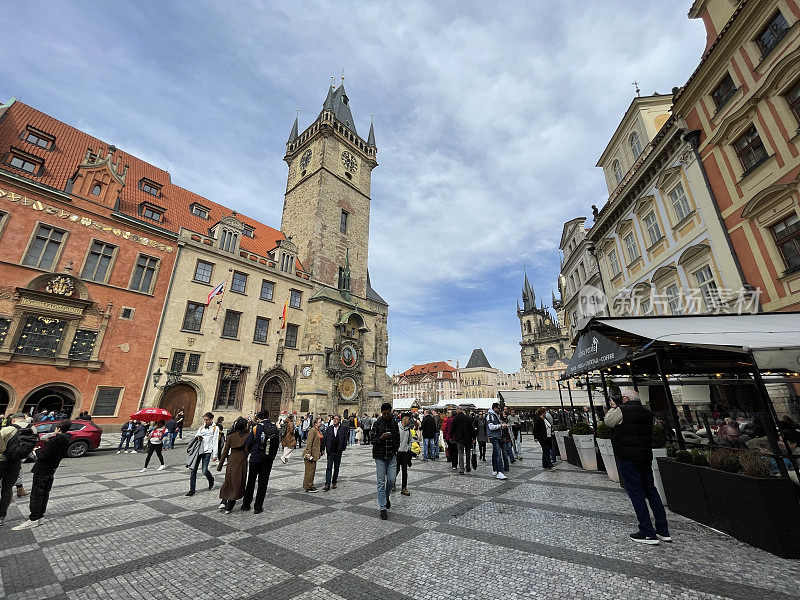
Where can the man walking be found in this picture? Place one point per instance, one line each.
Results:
(428, 437)
(17, 441)
(386, 435)
(542, 433)
(209, 433)
(462, 433)
(495, 429)
(262, 444)
(366, 425)
(44, 470)
(631, 436)
(334, 441)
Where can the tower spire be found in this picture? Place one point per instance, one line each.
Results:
(293, 134)
(371, 136)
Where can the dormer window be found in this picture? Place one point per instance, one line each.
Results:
(287, 262)
(150, 187)
(228, 240)
(97, 189)
(38, 138)
(248, 231)
(24, 162)
(344, 100)
(199, 211)
(151, 212)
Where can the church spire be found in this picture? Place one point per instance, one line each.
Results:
(339, 104)
(528, 295)
(371, 136)
(293, 134)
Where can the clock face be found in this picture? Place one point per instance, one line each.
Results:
(306, 371)
(348, 388)
(349, 162)
(305, 159)
(349, 356)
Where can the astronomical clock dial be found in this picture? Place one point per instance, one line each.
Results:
(306, 371)
(348, 388)
(349, 356)
(305, 159)
(349, 162)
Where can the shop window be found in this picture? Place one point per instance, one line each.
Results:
(230, 329)
(98, 262)
(83, 344)
(44, 247)
(787, 237)
(291, 335)
(750, 149)
(144, 274)
(40, 336)
(193, 318)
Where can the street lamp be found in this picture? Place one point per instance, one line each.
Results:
(172, 379)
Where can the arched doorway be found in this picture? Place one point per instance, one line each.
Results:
(271, 398)
(181, 397)
(5, 400)
(56, 398)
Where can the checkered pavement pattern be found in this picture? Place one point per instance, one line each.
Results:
(112, 532)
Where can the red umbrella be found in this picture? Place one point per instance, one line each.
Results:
(151, 414)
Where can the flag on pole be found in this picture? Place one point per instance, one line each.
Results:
(283, 316)
(217, 291)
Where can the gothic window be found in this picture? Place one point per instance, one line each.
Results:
(203, 271)
(343, 222)
(40, 336)
(44, 247)
(98, 261)
(267, 290)
(82, 344)
(723, 92)
(261, 331)
(773, 33)
(230, 329)
(750, 149)
(787, 237)
(636, 145)
(144, 274)
(239, 282)
(291, 336)
(193, 318)
(97, 189)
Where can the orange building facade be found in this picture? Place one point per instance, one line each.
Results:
(744, 100)
(82, 281)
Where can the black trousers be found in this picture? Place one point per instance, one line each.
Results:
(482, 450)
(9, 473)
(153, 448)
(452, 448)
(260, 471)
(40, 494)
(334, 460)
(403, 462)
(366, 436)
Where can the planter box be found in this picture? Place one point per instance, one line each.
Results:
(572, 455)
(762, 512)
(586, 450)
(562, 449)
(658, 453)
(607, 455)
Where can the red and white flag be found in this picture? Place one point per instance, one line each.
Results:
(217, 291)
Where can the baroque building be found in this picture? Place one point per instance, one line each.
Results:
(578, 269)
(430, 383)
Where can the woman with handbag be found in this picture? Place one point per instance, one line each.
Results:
(287, 438)
(312, 454)
(236, 473)
(154, 444)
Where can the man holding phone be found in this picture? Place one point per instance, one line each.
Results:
(386, 443)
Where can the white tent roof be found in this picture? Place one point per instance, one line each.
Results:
(535, 398)
(762, 331)
(404, 403)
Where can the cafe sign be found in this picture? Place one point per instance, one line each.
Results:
(594, 351)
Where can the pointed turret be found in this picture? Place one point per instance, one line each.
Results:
(528, 295)
(371, 136)
(328, 104)
(293, 134)
(339, 104)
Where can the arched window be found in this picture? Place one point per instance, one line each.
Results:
(617, 171)
(636, 145)
(97, 189)
(527, 326)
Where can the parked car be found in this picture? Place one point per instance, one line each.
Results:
(84, 436)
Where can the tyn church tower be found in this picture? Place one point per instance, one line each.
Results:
(326, 217)
(545, 341)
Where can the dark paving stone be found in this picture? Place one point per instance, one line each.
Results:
(456, 510)
(134, 494)
(278, 556)
(107, 530)
(353, 587)
(290, 520)
(162, 506)
(16, 570)
(15, 539)
(206, 525)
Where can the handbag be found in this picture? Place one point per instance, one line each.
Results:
(474, 459)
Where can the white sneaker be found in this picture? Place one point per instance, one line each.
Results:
(283, 459)
(494, 473)
(143, 470)
(161, 468)
(119, 451)
(26, 525)
(221, 505)
(501, 476)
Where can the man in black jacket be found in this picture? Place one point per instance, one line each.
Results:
(428, 437)
(334, 440)
(542, 434)
(632, 439)
(386, 442)
(463, 433)
(44, 470)
(262, 444)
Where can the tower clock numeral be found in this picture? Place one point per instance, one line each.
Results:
(305, 159)
(349, 161)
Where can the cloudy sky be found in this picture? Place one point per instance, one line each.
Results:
(489, 119)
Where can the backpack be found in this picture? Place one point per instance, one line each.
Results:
(269, 433)
(21, 444)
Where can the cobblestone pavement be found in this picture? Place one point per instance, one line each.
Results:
(112, 532)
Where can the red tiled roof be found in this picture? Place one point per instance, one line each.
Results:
(431, 367)
(70, 148)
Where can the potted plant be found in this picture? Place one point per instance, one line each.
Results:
(607, 451)
(659, 451)
(561, 431)
(583, 437)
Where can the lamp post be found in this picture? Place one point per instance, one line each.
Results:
(172, 379)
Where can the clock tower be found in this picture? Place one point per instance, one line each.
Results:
(343, 353)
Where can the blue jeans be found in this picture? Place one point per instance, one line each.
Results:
(352, 436)
(519, 443)
(508, 453)
(428, 448)
(171, 439)
(638, 479)
(386, 473)
(204, 460)
(436, 444)
(124, 439)
(497, 456)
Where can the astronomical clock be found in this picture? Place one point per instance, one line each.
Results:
(345, 364)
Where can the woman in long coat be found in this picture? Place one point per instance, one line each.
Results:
(287, 438)
(311, 455)
(236, 473)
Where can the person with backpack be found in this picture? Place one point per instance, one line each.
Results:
(233, 487)
(262, 445)
(17, 441)
(47, 460)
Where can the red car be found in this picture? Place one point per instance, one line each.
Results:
(84, 436)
